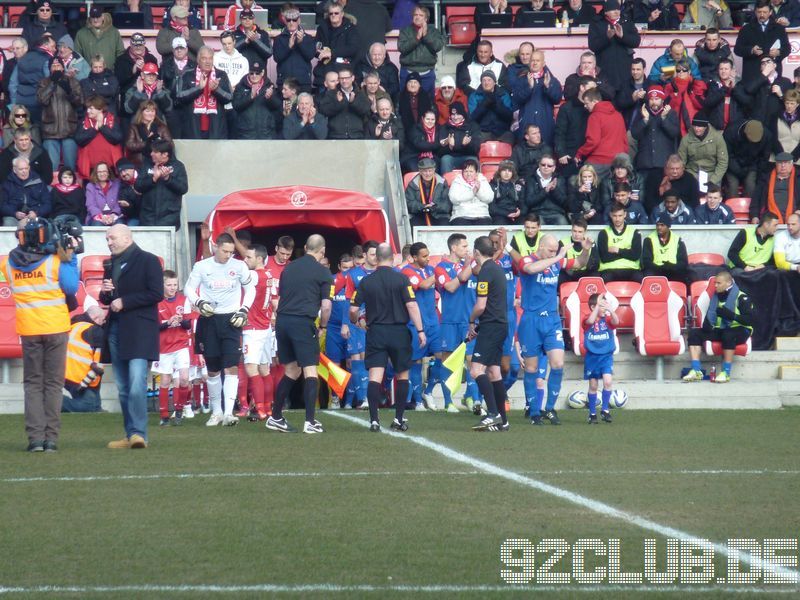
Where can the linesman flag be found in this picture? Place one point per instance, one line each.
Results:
(455, 364)
(334, 375)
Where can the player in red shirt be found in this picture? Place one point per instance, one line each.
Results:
(275, 264)
(257, 344)
(176, 324)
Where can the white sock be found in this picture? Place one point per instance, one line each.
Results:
(215, 394)
(230, 389)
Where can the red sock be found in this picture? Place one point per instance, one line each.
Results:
(242, 391)
(180, 394)
(268, 391)
(258, 392)
(163, 402)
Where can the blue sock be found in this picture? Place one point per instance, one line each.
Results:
(361, 379)
(606, 399)
(415, 381)
(529, 384)
(554, 387)
(440, 374)
(539, 398)
(696, 366)
(433, 375)
(592, 403)
(511, 378)
(726, 366)
(472, 389)
(350, 392)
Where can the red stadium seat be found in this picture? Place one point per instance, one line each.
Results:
(489, 170)
(92, 266)
(715, 348)
(697, 288)
(80, 296)
(10, 345)
(680, 288)
(657, 326)
(93, 288)
(740, 208)
(219, 17)
(461, 25)
(494, 151)
(408, 177)
(623, 291)
(449, 177)
(563, 293)
(577, 309)
(707, 258)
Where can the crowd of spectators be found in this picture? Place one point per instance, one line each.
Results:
(686, 125)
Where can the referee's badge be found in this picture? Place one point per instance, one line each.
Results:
(483, 287)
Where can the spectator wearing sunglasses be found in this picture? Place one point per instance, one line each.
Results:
(19, 118)
(41, 22)
(665, 67)
(294, 49)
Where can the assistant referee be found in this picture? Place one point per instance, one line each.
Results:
(306, 291)
(390, 303)
(491, 308)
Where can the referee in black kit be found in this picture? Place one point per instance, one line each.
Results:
(491, 310)
(305, 291)
(389, 302)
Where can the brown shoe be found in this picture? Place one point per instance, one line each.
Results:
(122, 444)
(138, 441)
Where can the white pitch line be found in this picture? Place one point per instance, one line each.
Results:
(596, 506)
(665, 472)
(329, 588)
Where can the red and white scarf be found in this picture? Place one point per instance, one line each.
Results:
(108, 121)
(149, 90)
(178, 27)
(256, 86)
(430, 135)
(66, 189)
(206, 102)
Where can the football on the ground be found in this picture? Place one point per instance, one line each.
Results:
(619, 398)
(577, 399)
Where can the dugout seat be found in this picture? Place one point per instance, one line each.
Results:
(740, 208)
(707, 258)
(680, 289)
(657, 326)
(715, 348)
(93, 288)
(623, 291)
(577, 310)
(10, 345)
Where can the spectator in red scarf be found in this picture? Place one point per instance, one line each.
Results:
(146, 127)
(459, 139)
(422, 141)
(129, 199)
(68, 196)
(129, 67)
(202, 95)
(99, 137)
(148, 87)
(179, 26)
(685, 95)
(102, 197)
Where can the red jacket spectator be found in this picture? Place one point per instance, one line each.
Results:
(606, 135)
(686, 97)
(444, 99)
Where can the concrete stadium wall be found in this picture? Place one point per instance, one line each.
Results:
(697, 238)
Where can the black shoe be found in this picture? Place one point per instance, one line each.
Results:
(537, 420)
(375, 427)
(164, 421)
(476, 409)
(178, 420)
(36, 447)
(592, 419)
(50, 446)
(399, 425)
(605, 415)
(280, 425)
(552, 416)
(488, 421)
(502, 427)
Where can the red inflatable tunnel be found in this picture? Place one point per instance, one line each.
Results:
(301, 205)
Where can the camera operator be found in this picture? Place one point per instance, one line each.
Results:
(42, 271)
(84, 371)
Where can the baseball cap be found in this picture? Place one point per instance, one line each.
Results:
(256, 67)
(150, 68)
(95, 12)
(246, 13)
(448, 81)
(179, 12)
(137, 39)
(179, 42)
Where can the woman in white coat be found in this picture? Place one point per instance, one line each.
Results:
(470, 194)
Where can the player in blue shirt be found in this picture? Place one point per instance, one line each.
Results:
(339, 323)
(598, 339)
(356, 339)
(452, 277)
(540, 325)
(423, 281)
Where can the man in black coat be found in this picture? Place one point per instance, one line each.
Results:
(172, 69)
(255, 100)
(570, 133)
(613, 39)
(726, 98)
(294, 49)
(762, 36)
(129, 66)
(373, 22)
(132, 287)
(633, 93)
(162, 182)
(749, 146)
(338, 40)
(378, 60)
(346, 108)
(202, 99)
(252, 41)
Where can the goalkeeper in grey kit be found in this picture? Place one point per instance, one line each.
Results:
(222, 289)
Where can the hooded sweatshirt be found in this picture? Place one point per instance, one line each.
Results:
(606, 135)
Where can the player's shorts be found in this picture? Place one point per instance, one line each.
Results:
(297, 340)
(257, 346)
(508, 344)
(597, 365)
(539, 333)
(335, 344)
(452, 334)
(489, 344)
(196, 373)
(218, 341)
(357, 342)
(170, 362)
(388, 342)
(433, 339)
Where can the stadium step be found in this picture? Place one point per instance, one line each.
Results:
(791, 372)
(787, 343)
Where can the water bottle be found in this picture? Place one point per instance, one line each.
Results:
(713, 374)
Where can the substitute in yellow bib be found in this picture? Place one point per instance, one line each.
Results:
(752, 247)
(41, 274)
(664, 253)
(620, 249)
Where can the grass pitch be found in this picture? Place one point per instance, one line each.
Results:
(246, 512)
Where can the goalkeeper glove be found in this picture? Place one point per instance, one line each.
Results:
(239, 318)
(205, 307)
